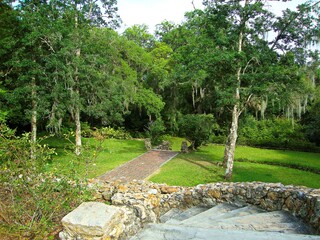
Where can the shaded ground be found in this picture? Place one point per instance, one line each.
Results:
(140, 167)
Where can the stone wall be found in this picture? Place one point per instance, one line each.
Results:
(137, 203)
(149, 200)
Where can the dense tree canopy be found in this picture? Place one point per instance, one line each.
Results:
(63, 63)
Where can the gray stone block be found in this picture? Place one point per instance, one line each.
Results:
(92, 220)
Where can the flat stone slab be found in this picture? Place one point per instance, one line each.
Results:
(91, 220)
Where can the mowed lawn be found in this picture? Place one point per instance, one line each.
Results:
(251, 164)
(201, 167)
(97, 158)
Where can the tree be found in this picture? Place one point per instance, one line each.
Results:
(29, 52)
(52, 58)
(8, 29)
(311, 120)
(140, 35)
(249, 22)
(86, 14)
(196, 128)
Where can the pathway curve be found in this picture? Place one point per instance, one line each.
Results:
(141, 167)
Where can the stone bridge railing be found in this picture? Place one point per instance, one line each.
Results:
(144, 202)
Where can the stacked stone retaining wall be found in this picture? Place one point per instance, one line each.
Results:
(149, 200)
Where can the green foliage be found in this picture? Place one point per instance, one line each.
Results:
(276, 133)
(196, 128)
(140, 35)
(311, 120)
(105, 132)
(109, 132)
(148, 100)
(154, 131)
(312, 126)
(33, 201)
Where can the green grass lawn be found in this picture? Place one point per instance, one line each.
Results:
(93, 163)
(192, 168)
(248, 172)
(200, 167)
(188, 170)
(303, 159)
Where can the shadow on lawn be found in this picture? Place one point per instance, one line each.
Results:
(199, 161)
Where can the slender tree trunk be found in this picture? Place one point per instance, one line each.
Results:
(33, 118)
(230, 149)
(77, 103)
(77, 111)
(233, 135)
(226, 151)
(78, 130)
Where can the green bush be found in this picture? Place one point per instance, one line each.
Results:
(86, 130)
(155, 130)
(33, 200)
(120, 133)
(196, 128)
(276, 133)
(218, 139)
(311, 123)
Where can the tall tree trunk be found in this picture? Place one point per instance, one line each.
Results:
(33, 118)
(232, 139)
(77, 111)
(77, 103)
(78, 130)
(226, 151)
(233, 135)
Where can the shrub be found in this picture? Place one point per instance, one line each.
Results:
(312, 123)
(276, 133)
(86, 130)
(33, 200)
(196, 128)
(120, 133)
(155, 130)
(218, 139)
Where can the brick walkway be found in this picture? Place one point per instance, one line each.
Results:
(139, 168)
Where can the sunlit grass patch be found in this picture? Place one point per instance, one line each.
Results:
(96, 159)
(201, 167)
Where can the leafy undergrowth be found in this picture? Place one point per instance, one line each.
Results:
(36, 191)
(33, 200)
(201, 167)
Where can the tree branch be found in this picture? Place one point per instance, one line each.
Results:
(8, 72)
(194, 7)
(245, 105)
(291, 19)
(315, 3)
(252, 59)
(47, 42)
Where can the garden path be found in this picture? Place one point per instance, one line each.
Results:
(139, 168)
